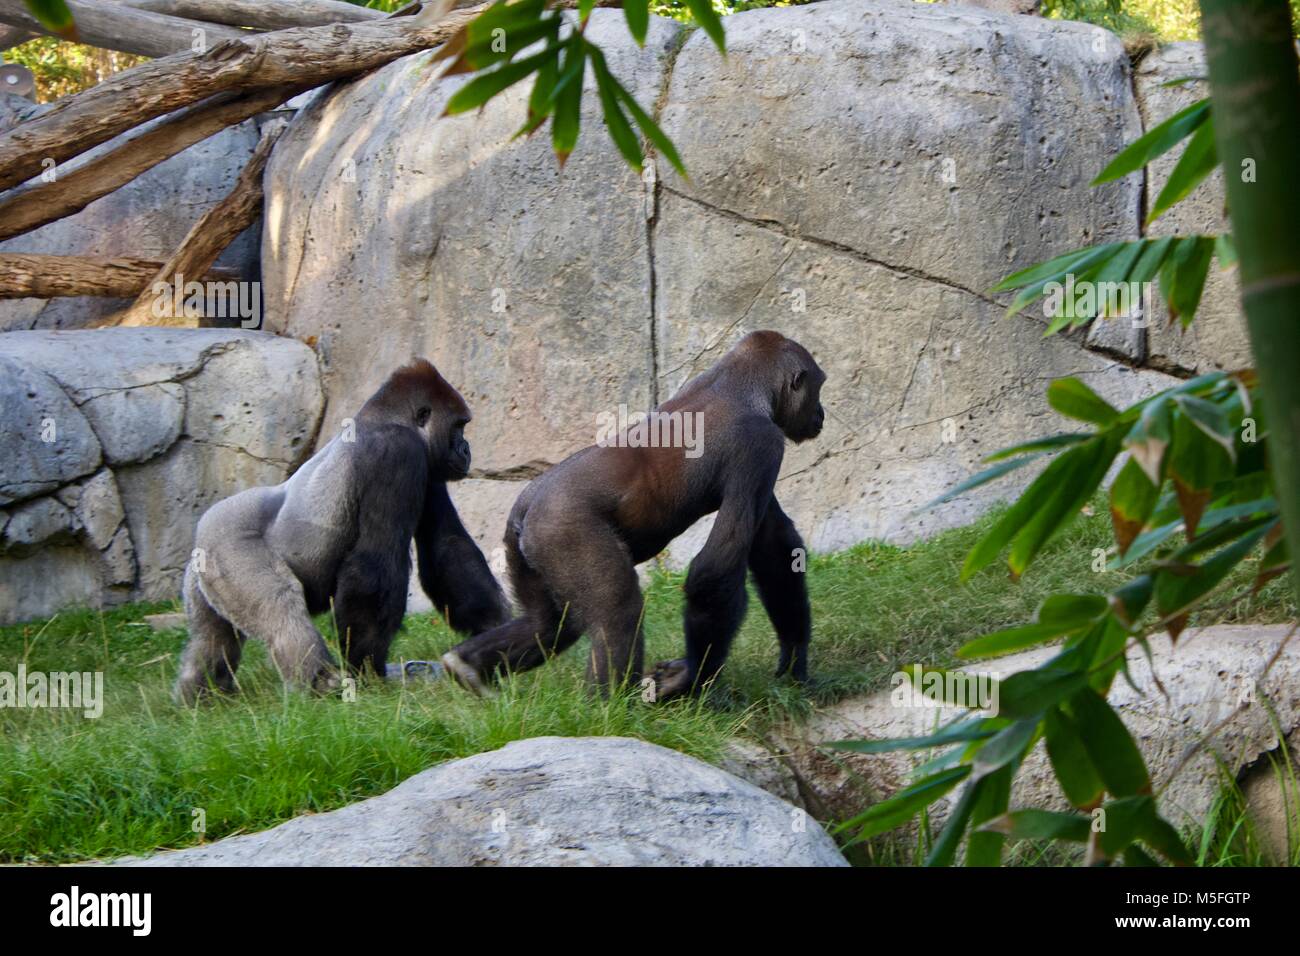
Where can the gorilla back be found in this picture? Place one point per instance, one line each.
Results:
(339, 530)
(576, 533)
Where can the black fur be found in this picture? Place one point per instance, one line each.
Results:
(577, 532)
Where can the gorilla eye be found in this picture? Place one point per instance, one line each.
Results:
(797, 382)
(422, 416)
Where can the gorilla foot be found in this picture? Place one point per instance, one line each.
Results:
(673, 679)
(466, 676)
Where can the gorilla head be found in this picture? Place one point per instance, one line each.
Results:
(416, 395)
(793, 378)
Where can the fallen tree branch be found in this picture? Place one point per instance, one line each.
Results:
(263, 14)
(30, 275)
(117, 26)
(306, 56)
(215, 229)
(38, 203)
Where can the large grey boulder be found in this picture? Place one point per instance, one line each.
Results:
(546, 801)
(113, 442)
(862, 174)
(1208, 675)
(147, 218)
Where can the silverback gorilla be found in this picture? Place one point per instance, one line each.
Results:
(576, 533)
(340, 528)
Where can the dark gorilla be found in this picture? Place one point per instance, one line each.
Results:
(576, 533)
(340, 529)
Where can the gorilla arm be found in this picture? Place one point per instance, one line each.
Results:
(453, 571)
(370, 596)
(715, 583)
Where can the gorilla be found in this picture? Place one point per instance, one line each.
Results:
(577, 532)
(339, 530)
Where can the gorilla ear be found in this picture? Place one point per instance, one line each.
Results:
(796, 382)
(422, 416)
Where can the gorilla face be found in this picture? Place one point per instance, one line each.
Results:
(449, 453)
(803, 416)
(457, 454)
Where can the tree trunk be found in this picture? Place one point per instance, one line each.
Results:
(216, 229)
(304, 56)
(37, 203)
(1255, 98)
(116, 26)
(28, 275)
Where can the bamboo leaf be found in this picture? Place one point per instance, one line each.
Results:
(487, 85)
(1040, 825)
(1199, 159)
(1072, 398)
(637, 14)
(1110, 746)
(905, 804)
(1132, 497)
(568, 99)
(620, 131)
(709, 21)
(55, 16)
(1078, 778)
(1155, 142)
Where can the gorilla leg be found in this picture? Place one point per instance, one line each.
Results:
(576, 583)
(212, 653)
(528, 641)
(593, 575)
(782, 589)
(254, 589)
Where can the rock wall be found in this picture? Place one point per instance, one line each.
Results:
(861, 174)
(148, 217)
(113, 442)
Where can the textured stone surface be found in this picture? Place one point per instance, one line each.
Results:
(904, 131)
(1207, 675)
(391, 233)
(148, 217)
(46, 441)
(1217, 339)
(183, 418)
(547, 801)
(861, 175)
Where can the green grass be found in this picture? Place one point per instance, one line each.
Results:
(128, 782)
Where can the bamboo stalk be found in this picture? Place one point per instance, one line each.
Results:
(1255, 98)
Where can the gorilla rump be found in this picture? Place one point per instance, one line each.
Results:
(340, 529)
(576, 533)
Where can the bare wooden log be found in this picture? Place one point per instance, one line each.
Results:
(215, 229)
(263, 14)
(30, 275)
(37, 203)
(116, 26)
(306, 56)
